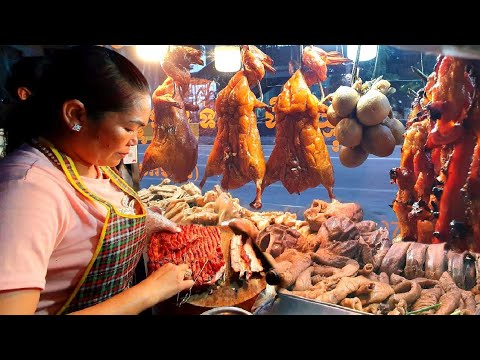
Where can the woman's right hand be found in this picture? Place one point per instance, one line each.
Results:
(166, 282)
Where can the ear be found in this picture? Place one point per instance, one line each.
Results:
(23, 93)
(73, 113)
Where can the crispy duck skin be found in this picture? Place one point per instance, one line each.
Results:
(438, 197)
(414, 168)
(450, 226)
(237, 150)
(452, 204)
(300, 158)
(174, 148)
(451, 97)
(473, 184)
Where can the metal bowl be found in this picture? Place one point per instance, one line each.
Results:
(226, 310)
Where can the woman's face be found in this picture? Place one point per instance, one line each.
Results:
(110, 138)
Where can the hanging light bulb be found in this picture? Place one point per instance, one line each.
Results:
(367, 52)
(152, 53)
(227, 58)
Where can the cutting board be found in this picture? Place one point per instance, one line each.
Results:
(231, 292)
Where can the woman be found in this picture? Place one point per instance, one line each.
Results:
(72, 231)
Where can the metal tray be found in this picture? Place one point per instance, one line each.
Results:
(286, 304)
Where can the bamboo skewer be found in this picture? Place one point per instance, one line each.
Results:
(423, 309)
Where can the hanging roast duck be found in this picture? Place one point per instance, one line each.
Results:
(237, 151)
(300, 158)
(174, 148)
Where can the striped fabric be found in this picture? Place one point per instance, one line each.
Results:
(119, 248)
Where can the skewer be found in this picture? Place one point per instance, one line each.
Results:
(178, 294)
(186, 297)
(321, 91)
(419, 73)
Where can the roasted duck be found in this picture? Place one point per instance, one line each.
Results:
(300, 158)
(174, 148)
(237, 151)
(438, 179)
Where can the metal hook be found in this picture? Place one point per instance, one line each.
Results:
(260, 89)
(355, 66)
(376, 61)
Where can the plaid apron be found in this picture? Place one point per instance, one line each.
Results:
(120, 245)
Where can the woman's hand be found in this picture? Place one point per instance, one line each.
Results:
(159, 286)
(166, 282)
(157, 222)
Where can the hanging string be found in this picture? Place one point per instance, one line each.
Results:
(376, 60)
(355, 69)
(421, 62)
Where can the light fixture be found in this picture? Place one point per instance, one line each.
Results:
(227, 58)
(152, 53)
(367, 52)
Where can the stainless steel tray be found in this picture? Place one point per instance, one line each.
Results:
(286, 304)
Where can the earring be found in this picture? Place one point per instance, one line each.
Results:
(76, 127)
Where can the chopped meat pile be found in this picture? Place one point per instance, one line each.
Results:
(198, 246)
(276, 238)
(320, 211)
(243, 258)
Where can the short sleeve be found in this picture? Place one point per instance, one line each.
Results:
(31, 217)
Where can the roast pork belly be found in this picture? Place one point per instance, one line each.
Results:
(255, 264)
(198, 246)
(240, 262)
(245, 226)
(243, 258)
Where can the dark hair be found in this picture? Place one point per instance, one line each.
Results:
(102, 79)
(26, 72)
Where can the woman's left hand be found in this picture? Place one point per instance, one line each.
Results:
(165, 282)
(157, 222)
